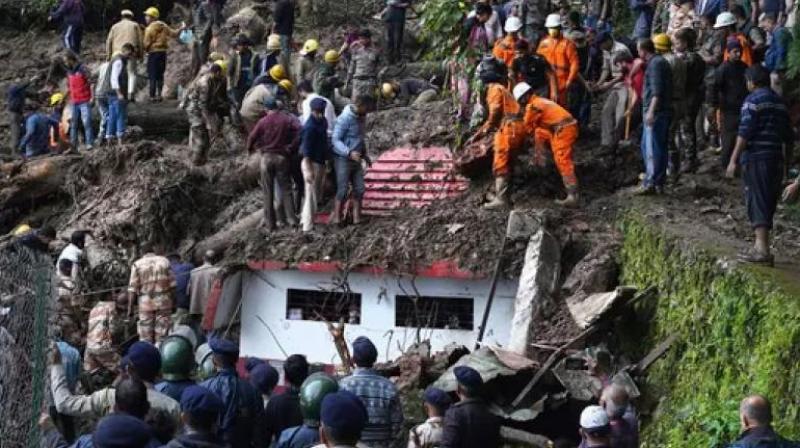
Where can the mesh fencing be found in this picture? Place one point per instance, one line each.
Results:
(26, 289)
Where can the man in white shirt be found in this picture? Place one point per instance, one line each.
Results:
(307, 95)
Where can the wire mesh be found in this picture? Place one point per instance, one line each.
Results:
(26, 289)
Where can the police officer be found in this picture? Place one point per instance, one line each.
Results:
(121, 430)
(312, 392)
(204, 361)
(469, 423)
(429, 433)
(177, 363)
(264, 378)
(200, 410)
(343, 417)
(237, 425)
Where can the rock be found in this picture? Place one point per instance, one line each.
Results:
(596, 272)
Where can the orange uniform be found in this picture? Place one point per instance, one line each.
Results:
(747, 52)
(547, 121)
(505, 113)
(562, 55)
(504, 49)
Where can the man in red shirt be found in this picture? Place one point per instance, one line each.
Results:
(277, 137)
(80, 99)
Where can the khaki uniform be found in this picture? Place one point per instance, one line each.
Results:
(426, 435)
(304, 70)
(126, 32)
(154, 284)
(103, 324)
(67, 319)
(204, 95)
(363, 71)
(253, 104)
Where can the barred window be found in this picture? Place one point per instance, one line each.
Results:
(449, 313)
(330, 306)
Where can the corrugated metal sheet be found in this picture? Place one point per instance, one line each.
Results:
(411, 177)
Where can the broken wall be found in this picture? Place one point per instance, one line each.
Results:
(737, 333)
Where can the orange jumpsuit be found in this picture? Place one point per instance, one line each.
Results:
(747, 52)
(562, 55)
(547, 121)
(510, 135)
(504, 49)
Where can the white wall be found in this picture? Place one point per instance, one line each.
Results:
(264, 295)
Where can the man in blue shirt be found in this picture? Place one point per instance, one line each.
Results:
(775, 59)
(644, 17)
(657, 113)
(35, 142)
(181, 270)
(349, 150)
(764, 129)
(314, 147)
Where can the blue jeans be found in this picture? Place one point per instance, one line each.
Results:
(82, 112)
(117, 116)
(347, 171)
(655, 151)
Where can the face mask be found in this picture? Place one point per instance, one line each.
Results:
(553, 32)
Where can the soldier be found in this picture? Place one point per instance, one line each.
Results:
(429, 434)
(343, 418)
(205, 96)
(362, 74)
(67, 318)
(237, 425)
(177, 359)
(312, 392)
(105, 324)
(325, 78)
(153, 283)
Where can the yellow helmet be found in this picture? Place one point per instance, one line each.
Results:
(216, 56)
(56, 98)
(286, 85)
(331, 56)
(152, 12)
(387, 90)
(277, 72)
(273, 42)
(662, 42)
(311, 45)
(223, 65)
(21, 229)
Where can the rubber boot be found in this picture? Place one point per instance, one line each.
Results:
(356, 211)
(572, 198)
(500, 199)
(336, 214)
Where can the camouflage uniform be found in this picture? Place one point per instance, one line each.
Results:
(67, 316)
(103, 324)
(204, 97)
(362, 73)
(153, 282)
(426, 435)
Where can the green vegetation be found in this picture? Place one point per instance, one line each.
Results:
(440, 21)
(739, 333)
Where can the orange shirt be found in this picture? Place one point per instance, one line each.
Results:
(562, 55)
(747, 52)
(504, 49)
(543, 113)
(501, 104)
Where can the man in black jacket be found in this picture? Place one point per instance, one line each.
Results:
(469, 423)
(283, 410)
(755, 414)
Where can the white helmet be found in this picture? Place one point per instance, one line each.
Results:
(520, 90)
(553, 21)
(594, 417)
(513, 24)
(725, 19)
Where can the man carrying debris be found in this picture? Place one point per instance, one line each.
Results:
(153, 284)
(469, 423)
(349, 150)
(276, 136)
(755, 416)
(253, 103)
(362, 74)
(764, 129)
(203, 100)
(156, 43)
(378, 393)
(201, 281)
(35, 142)
(105, 325)
(126, 32)
(562, 55)
(312, 392)
(429, 434)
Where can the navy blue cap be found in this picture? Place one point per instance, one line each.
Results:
(437, 397)
(145, 359)
(364, 351)
(121, 431)
(251, 363)
(318, 104)
(264, 378)
(468, 377)
(223, 347)
(197, 400)
(344, 412)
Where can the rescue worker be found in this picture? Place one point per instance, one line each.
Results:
(546, 121)
(153, 286)
(236, 426)
(663, 45)
(307, 62)
(429, 433)
(264, 378)
(200, 411)
(269, 59)
(562, 55)
(253, 104)
(80, 98)
(469, 423)
(343, 418)
(530, 68)
(201, 281)
(156, 43)
(126, 31)
(753, 30)
(276, 136)
(177, 364)
(362, 74)
(141, 362)
(103, 330)
(379, 394)
(683, 45)
(314, 389)
(119, 95)
(203, 97)
(349, 149)
(504, 118)
(202, 29)
(67, 318)
(657, 116)
(71, 13)
(241, 66)
(35, 141)
(326, 80)
(409, 91)
(505, 48)
(727, 23)
(204, 359)
(283, 410)
(764, 130)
